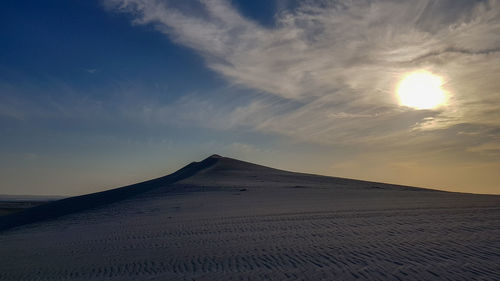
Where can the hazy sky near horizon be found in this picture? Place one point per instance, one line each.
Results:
(99, 94)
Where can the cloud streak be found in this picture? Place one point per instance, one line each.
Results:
(328, 71)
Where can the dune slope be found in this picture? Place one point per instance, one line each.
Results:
(224, 219)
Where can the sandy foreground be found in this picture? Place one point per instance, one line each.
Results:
(232, 220)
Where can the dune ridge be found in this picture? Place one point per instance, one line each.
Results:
(88, 201)
(215, 166)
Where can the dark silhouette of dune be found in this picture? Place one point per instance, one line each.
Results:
(225, 219)
(93, 200)
(215, 167)
(230, 172)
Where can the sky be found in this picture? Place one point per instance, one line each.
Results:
(97, 94)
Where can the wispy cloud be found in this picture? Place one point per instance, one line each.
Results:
(91, 70)
(335, 65)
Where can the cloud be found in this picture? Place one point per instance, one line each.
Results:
(90, 70)
(327, 70)
(492, 148)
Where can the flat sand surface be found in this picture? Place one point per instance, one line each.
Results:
(237, 221)
(13, 204)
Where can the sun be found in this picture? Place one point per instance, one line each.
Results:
(421, 90)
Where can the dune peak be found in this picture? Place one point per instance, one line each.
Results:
(217, 156)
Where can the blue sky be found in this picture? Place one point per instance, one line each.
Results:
(98, 94)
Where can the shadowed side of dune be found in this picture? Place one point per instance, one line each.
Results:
(93, 200)
(214, 171)
(229, 172)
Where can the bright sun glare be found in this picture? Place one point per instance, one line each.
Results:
(421, 90)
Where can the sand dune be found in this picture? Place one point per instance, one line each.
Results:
(224, 219)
